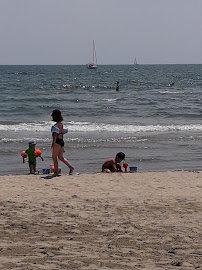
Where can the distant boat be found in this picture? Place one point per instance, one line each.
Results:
(135, 63)
(93, 65)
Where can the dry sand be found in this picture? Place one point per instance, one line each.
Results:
(101, 221)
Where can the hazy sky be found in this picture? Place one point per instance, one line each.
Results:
(61, 31)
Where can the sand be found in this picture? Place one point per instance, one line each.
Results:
(101, 221)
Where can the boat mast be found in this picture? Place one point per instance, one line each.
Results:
(94, 54)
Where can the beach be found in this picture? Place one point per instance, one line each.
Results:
(101, 221)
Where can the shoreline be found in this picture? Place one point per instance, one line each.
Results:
(40, 174)
(101, 221)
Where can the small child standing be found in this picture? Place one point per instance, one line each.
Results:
(31, 157)
(112, 164)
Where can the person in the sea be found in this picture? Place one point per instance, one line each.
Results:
(32, 157)
(58, 142)
(117, 86)
(113, 164)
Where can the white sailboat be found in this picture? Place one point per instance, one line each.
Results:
(93, 65)
(135, 63)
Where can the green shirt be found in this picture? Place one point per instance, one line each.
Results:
(30, 153)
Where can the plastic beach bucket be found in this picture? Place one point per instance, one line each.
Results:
(51, 168)
(45, 171)
(133, 169)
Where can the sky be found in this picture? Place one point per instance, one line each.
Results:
(60, 32)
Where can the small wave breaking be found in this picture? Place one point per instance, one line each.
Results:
(85, 127)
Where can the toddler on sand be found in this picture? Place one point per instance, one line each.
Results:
(31, 157)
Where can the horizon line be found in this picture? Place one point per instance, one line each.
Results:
(100, 64)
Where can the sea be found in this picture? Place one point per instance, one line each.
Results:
(157, 125)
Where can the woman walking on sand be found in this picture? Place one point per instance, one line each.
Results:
(58, 142)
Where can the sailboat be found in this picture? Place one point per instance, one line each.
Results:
(135, 63)
(93, 65)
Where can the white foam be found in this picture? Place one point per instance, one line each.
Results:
(99, 127)
(171, 92)
(110, 99)
(24, 127)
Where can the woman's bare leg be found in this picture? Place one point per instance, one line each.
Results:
(55, 153)
(65, 161)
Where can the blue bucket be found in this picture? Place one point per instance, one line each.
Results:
(133, 169)
(46, 171)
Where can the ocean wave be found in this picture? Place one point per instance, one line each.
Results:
(85, 127)
(24, 139)
(24, 127)
(82, 86)
(171, 92)
(110, 99)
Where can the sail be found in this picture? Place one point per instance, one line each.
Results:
(93, 64)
